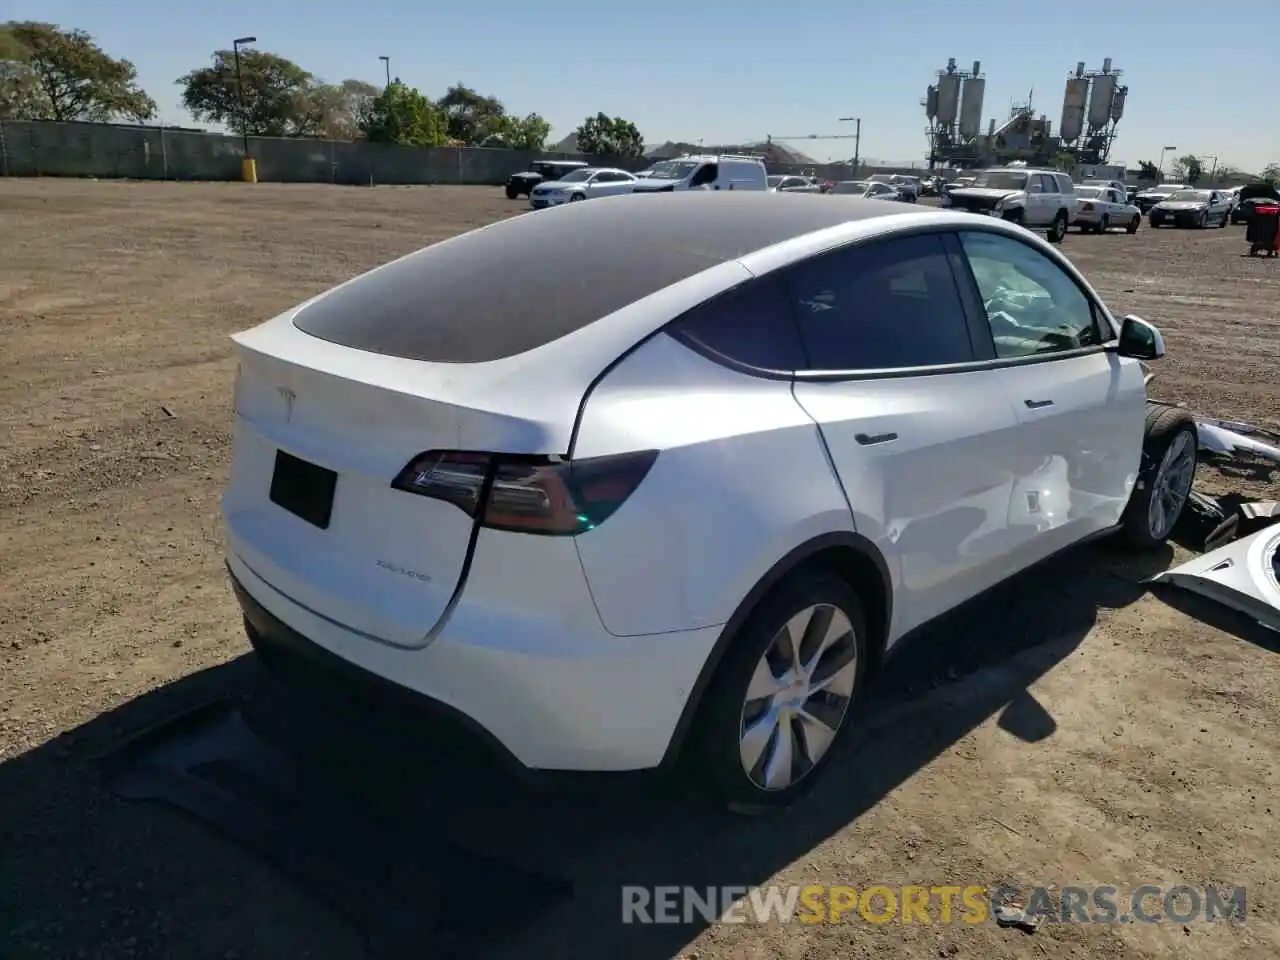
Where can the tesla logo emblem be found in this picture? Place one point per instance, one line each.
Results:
(288, 396)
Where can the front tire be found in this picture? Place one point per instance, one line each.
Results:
(1104, 224)
(1202, 221)
(1165, 478)
(576, 197)
(512, 193)
(783, 694)
(1058, 229)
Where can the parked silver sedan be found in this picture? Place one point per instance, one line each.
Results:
(871, 189)
(794, 184)
(582, 185)
(1192, 208)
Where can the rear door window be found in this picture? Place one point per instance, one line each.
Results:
(748, 326)
(880, 306)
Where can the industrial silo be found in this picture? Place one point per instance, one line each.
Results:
(1117, 103)
(948, 97)
(1073, 109)
(1104, 88)
(971, 104)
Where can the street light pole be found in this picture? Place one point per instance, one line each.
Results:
(386, 62)
(1214, 172)
(1160, 169)
(244, 117)
(857, 140)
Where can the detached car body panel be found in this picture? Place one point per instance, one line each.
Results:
(1242, 575)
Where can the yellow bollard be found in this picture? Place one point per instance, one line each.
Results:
(249, 170)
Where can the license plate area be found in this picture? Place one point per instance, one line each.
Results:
(304, 489)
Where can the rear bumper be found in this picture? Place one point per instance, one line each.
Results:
(577, 700)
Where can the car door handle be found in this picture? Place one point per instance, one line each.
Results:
(1037, 404)
(867, 439)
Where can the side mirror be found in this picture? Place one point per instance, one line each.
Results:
(1139, 339)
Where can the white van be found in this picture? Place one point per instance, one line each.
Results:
(720, 172)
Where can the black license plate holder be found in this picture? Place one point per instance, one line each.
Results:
(303, 488)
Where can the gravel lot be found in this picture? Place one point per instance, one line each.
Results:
(1071, 729)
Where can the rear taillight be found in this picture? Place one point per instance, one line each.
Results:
(528, 494)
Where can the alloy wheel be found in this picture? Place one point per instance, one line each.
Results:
(798, 696)
(1172, 485)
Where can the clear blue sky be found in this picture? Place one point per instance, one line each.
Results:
(1201, 77)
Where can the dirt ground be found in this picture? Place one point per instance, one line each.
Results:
(1074, 728)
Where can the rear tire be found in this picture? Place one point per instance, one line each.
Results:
(1134, 224)
(1058, 229)
(513, 193)
(1225, 218)
(758, 687)
(1165, 477)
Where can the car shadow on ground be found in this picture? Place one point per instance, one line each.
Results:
(1219, 616)
(84, 871)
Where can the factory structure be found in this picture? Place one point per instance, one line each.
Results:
(1091, 108)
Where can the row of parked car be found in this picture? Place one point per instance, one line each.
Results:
(1049, 199)
(550, 183)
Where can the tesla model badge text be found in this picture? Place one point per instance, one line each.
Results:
(403, 571)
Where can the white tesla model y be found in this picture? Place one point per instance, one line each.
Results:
(680, 486)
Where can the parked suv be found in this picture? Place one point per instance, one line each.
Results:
(1032, 198)
(720, 172)
(678, 495)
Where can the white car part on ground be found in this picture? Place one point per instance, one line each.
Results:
(1243, 575)
(1228, 438)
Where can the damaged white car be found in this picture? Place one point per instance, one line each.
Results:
(677, 497)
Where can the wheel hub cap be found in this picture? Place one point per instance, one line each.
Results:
(798, 697)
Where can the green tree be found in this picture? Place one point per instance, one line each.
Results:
(48, 73)
(401, 114)
(1192, 168)
(276, 94)
(517, 133)
(20, 97)
(1148, 171)
(609, 136)
(1271, 173)
(468, 114)
(1227, 174)
(334, 110)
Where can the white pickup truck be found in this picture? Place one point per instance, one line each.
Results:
(1103, 206)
